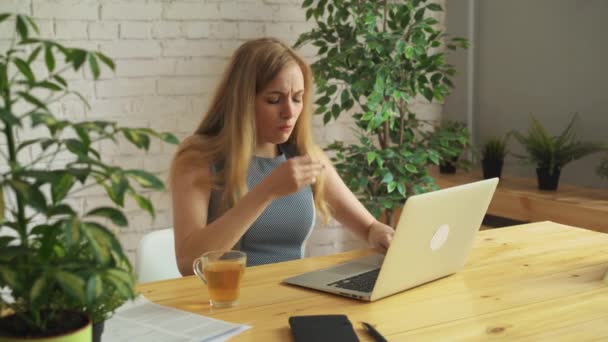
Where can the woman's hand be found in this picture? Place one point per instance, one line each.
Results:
(293, 175)
(379, 236)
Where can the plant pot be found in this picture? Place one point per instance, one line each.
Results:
(492, 168)
(98, 331)
(547, 180)
(447, 167)
(76, 328)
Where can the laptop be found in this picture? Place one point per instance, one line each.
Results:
(432, 240)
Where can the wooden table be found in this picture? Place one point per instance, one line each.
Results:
(540, 281)
(519, 199)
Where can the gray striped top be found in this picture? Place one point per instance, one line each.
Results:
(281, 230)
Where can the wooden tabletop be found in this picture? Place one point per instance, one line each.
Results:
(539, 281)
(520, 199)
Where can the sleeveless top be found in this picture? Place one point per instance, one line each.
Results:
(280, 231)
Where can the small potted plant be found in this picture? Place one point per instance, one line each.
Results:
(551, 153)
(493, 155)
(451, 139)
(64, 269)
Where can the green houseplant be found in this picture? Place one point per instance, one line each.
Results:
(451, 140)
(59, 264)
(375, 58)
(493, 155)
(552, 153)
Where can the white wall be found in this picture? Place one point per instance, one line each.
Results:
(169, 55)
(542, 57)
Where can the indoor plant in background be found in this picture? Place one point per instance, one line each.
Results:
(375, 58)
(493, 155)
(59, 264)
(451, 140)
(551, 153)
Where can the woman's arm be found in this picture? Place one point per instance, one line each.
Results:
(347, 210)
(190, 195)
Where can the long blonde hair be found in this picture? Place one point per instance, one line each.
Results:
(226, 135)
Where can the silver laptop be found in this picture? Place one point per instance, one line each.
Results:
(432, 240)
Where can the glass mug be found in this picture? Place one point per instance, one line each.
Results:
(222, 272)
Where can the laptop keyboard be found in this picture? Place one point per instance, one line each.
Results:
(363, 282)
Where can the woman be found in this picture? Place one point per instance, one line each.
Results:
(251, 177)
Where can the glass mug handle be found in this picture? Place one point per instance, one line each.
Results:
(197, 270)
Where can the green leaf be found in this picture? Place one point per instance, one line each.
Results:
(117, 217)
(371, 156)
(101, 241)
(32, 99)
(146, 179)
(71, 231)
(39, 287)
(49, 60)
(117, 190)
(24, 68)
(72, 284)
(77, 57)
(169, 138)
(77, 147)
(390, 187)
(323, 101)
(61, 209)
(32, 195)
(21, 27)
(4, 16)
(8, 118)
(388, 177)
(94, 288)
(306, 3)
(401, 189)
(309, 13)
(122, 281)
(428, 94)
(106, 60)
(94, 66)
(143, 203)
(61, 187)
(434, 7)
(409, 52)
(34, 55)
(136, 138)
(411, 168)
(3, 76)
(1, 204)
(32, 24)
(61, 80)
(9, 277)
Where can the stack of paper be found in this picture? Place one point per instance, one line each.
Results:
(142, 320)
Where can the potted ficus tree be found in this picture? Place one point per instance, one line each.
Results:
(493, 154)
(63, 268)
(551, 153)
(375, 59)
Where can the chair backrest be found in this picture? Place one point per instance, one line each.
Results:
(156, 257)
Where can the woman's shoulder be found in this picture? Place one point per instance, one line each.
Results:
(191, 157)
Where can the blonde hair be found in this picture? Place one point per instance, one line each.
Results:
(226, 135)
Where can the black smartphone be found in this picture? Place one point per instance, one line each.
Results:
(322, 328)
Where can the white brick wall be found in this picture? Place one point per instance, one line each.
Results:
(169, 55)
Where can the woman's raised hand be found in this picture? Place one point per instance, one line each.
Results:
(293, 175)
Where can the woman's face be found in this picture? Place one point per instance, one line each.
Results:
(278, 106)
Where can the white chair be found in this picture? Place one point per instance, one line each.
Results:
(156, 257)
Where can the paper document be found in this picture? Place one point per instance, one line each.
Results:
(142, 320)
